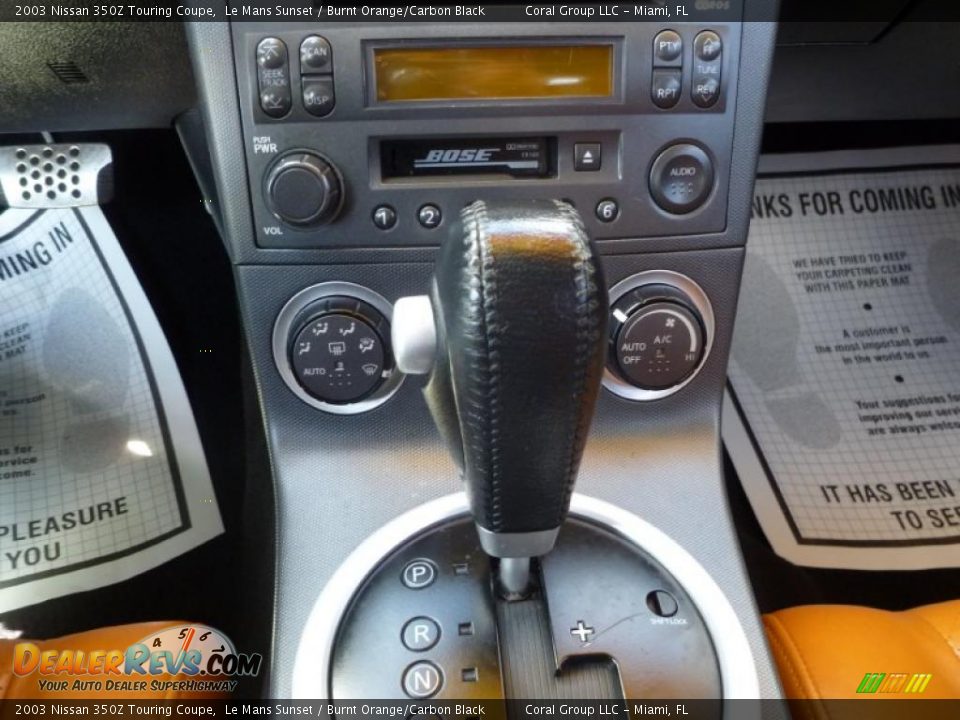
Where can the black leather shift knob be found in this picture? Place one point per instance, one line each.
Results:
(520, 308)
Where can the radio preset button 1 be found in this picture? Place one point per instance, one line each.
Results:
(318, 98)
(665, 88)
(681, 178)
(315, 55)
(384, 217)
(586, 156)
(667, 47)
(429, 216)
(607, 210)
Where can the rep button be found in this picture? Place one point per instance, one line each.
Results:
(419, 574)
(681, 178)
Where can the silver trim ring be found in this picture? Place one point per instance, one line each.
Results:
(283, 329)
(311, 671)
(700, 301)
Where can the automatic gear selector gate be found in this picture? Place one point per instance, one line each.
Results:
(521, 602)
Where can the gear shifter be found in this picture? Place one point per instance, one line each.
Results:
(513, 336)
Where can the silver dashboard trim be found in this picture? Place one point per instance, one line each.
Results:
(311, 670)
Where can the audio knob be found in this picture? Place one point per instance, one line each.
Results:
(303, 189)
(657, 337)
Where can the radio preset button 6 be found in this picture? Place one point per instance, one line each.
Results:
(607, 210)
(681, 178)
(667, 47)
(665, 88)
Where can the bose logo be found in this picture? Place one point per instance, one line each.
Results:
(461, 155)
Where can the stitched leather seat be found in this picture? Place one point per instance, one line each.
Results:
(119, 637)
(825, 651)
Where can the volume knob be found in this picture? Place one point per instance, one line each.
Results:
(303, 189)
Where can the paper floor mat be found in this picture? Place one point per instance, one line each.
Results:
(843, 416)
(102, 474)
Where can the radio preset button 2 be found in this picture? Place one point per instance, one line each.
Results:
(586, 156)
(607, 210)
(681, 178)
(315, 55)
(665, 88)
(384, 217)
(667, 47)
(429, 216)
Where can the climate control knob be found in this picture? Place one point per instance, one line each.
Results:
(657, 337)
(340, 351)
(303, 190)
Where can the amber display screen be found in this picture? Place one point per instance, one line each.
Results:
(532, 72)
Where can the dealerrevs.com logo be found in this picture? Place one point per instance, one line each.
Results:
(179, 658)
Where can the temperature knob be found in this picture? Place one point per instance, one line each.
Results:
(303, 190)
(657, 337)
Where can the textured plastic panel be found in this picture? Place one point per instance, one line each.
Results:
(92, 75)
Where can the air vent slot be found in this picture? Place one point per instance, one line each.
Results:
(68, 72)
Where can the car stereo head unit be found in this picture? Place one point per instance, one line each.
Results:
(369, 135)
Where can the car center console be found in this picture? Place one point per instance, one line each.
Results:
(344, 153)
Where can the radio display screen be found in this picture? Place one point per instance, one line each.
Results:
(530, 72)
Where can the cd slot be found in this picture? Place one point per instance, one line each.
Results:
(515, 157)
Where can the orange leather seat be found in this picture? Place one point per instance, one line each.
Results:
(826, 651)
(21, 687)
